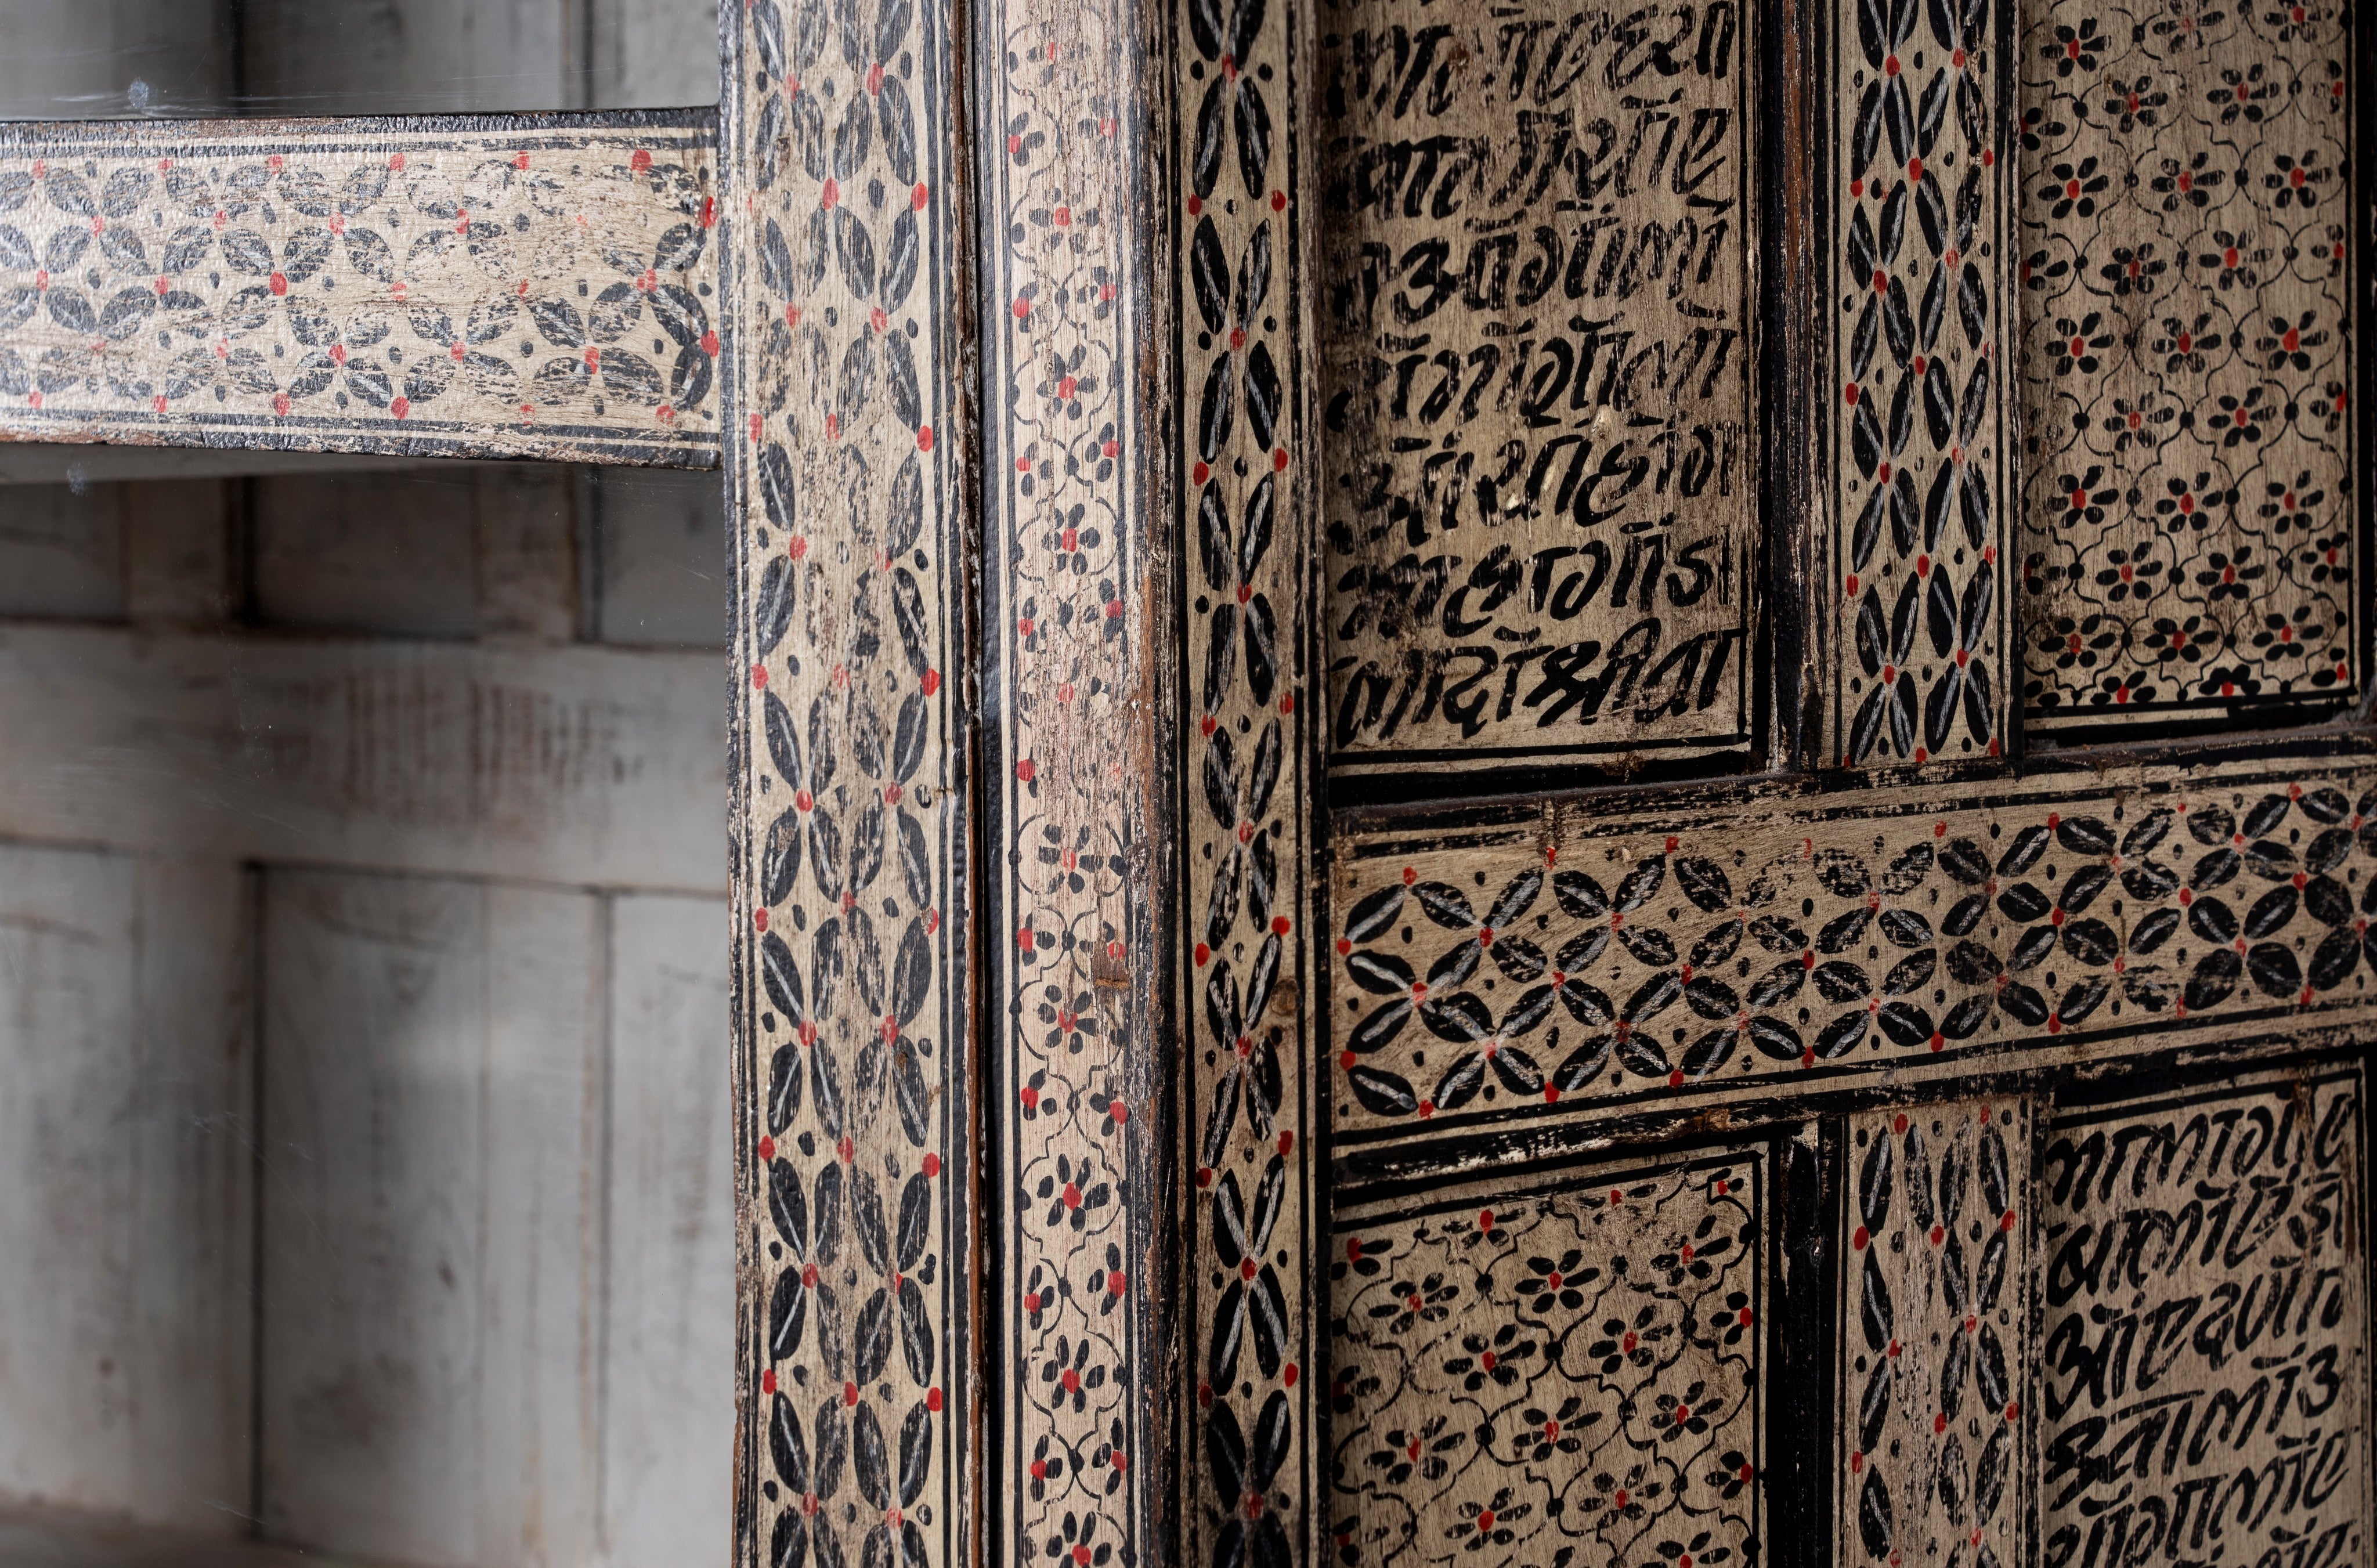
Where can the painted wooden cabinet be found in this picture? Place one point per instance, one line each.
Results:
(1538, 784)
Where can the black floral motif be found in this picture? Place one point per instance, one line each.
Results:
(2186, 310)
(1625, 963)
(1919, 414)
(1538, 1376)
(1929, 1377)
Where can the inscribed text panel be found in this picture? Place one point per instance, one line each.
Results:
(1539, 488)
(2203, 1327)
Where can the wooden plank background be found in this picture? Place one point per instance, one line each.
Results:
(388, 1206)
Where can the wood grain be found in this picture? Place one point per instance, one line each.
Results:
(536, 285)
(572, 765)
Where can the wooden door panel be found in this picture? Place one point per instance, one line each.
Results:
(528, 286)
(1920, 467)
(1537, 324)
(2202, 1318)
(2191, 524)
(1555, 1366)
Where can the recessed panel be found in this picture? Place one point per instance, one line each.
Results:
(1539, 482)
(2203, 1288)
(1935, 1336)
(2189, 525)
(1561, 1375)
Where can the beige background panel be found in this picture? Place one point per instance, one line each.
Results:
(2203, 1292)
(1539, 477)
(1530, 1376)
(541, 287)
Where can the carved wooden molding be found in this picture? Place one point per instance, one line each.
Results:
(519, 286)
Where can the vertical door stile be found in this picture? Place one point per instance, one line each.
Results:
(1934, 1333)
(1248, 1452)
(1076, 694)
(1920, 466)
(852, 812)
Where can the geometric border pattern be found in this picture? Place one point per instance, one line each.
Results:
(1248, 524)
(535, 285)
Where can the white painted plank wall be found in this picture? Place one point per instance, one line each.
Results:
(126, 1154)
(668, 1394)
(419, 811)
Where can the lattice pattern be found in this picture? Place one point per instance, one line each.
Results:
(1535, 971)
(1573, 1377)
(857, 1290)
(541, 285)
(2187, 214)
(1919, 451)
(1935, 1336)
(1245, 850)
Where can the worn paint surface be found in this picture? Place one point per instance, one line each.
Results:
(537, 285)
(1556, 963)
(1076, 624)
(2191, 526)
(1536, 323)
(852, 832)
(1935, 1333)
(1920, 466)
(2203, 1309)
(1245, 447)
(1562, 1372)
(854, 1174)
